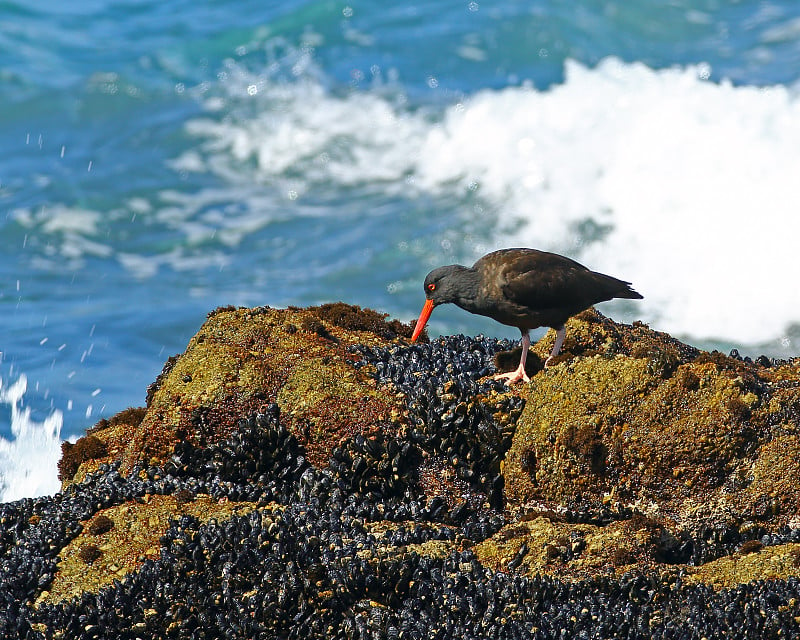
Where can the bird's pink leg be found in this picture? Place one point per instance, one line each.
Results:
(519, 374)
(561, 333)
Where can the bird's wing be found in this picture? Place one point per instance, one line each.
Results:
(544, 280)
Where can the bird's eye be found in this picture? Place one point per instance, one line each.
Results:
(431, 286)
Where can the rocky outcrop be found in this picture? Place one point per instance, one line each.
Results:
(240, 361)
(309, 473)
(700, 443)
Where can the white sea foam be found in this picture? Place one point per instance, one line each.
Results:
(28, 463)
(306, 137)
(76, 230)
(692, 183)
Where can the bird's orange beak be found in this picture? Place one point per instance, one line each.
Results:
(423, 318)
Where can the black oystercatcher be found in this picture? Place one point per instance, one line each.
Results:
(522, 288)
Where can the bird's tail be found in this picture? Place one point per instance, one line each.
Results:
(615, 288)
(628, 292)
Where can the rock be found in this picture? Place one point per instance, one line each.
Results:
(309, 473)
(240, 361)
(708, 445)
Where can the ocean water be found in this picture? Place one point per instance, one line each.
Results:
(159, 159)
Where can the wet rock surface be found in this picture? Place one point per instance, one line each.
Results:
(307, 473)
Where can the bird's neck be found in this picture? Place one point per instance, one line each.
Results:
(467, 294)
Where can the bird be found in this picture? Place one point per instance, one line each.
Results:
(523, 288)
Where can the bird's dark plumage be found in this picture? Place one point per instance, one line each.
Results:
(523, 288)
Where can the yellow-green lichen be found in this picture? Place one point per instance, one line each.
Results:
(582, 551)
(575, 418)
(243, 359)
(770, 563)
(133, 538)
(328, 400)
(575, 551)
(607, 426)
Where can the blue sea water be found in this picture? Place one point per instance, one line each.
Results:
(159, 159)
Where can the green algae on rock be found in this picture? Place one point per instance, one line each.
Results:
(770, 563)
(134, 537)
(709, 438)
(574, 551)
(243, 359)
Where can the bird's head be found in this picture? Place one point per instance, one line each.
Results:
(441, 286)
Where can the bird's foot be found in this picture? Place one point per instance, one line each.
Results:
(513, 376)
(548, 361)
